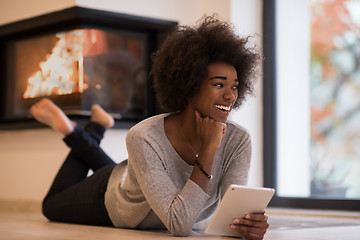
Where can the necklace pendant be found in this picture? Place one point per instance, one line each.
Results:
(197, 155)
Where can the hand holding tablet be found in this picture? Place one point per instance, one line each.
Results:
(237, 202)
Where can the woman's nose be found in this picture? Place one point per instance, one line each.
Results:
(229, 94)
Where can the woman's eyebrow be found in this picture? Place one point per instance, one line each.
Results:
(219, 77)
(222, 78)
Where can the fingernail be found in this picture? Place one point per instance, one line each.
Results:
(247, 216)
(236, 220)
(232, 226)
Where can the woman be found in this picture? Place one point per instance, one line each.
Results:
(180, 163)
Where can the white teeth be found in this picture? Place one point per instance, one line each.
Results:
(222, 107)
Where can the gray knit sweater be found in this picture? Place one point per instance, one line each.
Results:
(152, 188)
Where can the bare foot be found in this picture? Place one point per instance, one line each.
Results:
(101, 117)
(49, 114)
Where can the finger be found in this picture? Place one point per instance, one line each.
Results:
(197, 115)
(249, 232)
(253, 236)
(259, 217)
(224, 124)
(254, 224)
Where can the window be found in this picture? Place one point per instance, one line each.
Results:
(312, 102)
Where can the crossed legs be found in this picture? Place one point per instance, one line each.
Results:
(74, 197)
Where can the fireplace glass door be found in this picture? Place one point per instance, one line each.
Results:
(77, 68)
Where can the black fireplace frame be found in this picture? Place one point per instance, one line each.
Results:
(79, 17)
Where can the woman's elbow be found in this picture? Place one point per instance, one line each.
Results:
(182, 231)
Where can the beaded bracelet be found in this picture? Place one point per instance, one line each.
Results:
(201, 168)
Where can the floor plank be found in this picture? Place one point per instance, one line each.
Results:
(285, 225)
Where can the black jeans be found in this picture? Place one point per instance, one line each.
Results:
(74, 197)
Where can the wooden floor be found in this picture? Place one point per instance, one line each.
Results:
(285, 225)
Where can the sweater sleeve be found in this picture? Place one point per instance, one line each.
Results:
(177, 210)
(239, 162)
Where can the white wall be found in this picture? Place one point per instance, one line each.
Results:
(293, 98)
(183, 11)
(29, 159)
(15, 10)
(247, 18)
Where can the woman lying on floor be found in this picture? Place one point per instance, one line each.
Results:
(179, 163)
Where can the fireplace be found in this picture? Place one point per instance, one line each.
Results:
(78, 57)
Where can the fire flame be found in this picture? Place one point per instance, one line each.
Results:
(63, 71)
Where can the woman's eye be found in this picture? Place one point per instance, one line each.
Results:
(236, 87)
(218, 85)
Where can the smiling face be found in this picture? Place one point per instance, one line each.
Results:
(217, 93)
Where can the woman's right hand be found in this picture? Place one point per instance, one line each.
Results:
(252, 226)
(211, 132)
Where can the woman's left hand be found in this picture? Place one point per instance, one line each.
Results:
(252, 227)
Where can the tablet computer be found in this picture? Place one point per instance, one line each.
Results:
(237, 202)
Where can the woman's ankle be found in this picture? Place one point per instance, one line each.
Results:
(100, 116)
